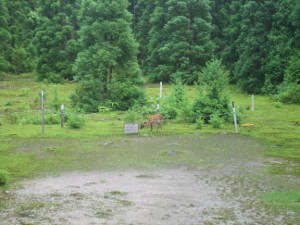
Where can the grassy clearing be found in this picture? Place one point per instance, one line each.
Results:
(272, 121)
(273, 125)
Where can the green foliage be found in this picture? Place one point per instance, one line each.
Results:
(179, 40)
(176, 104)
(25, 92)
(216, 122)
(168, 107)
(108, 57)
(124, 95)
(211, 99)
(213, 79)
(290, 88)
(88, 96)
(4, 177)
(56, 102)
(199, 123)
(130, 116)
(290, 94)
(56, 40)
(16, 34)
(75, 119)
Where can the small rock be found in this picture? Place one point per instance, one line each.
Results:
(171, 153)
(108, 143)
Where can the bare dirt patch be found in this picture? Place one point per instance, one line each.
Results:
(225, 188)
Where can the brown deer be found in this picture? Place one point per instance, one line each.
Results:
(157, 118)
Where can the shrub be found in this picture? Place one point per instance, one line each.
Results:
(4, 177)
(216, 122)
(199, 123)
(25, 92)
(55, 103)
(130, 116)
(124, 95)
(211, 98)
(290, 94)
(32, 118)
(75, 120)
(52, 118)
(278, 105)
(88, 96)
(207, 107)
(168, 107)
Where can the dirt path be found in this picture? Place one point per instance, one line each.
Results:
(227, 193)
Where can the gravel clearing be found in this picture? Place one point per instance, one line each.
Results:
(227, 193)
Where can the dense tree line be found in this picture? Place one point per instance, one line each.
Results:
(113, 43)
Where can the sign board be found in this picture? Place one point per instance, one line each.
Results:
(131, 128)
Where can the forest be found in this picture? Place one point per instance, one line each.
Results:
(112, 47)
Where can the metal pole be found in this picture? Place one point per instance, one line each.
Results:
(234, 118)
(43, 113)
(160, 90)
(160, 96)
(62, 116)
(252, 103)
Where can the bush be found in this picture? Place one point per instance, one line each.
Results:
(176, 104)
(55, 103)
(290, 94)
(168, 107)
(75, 120)
(124, 95)
(130, 116)
(211, 99)
(199, 123)
(88, 96)
(207, 107)
(216, 122)
(4, 177)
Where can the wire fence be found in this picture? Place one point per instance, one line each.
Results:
(93, 117)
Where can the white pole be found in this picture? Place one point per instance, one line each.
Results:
(160, 95)
(252, 103)
(43, 113)
(234, 118)
(160, 90)
(62, 116)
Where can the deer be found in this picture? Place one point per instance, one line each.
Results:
(155, 119)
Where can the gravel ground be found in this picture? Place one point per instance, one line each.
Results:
(228, 193)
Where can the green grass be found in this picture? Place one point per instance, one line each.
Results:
(21, 93)
(290, 200)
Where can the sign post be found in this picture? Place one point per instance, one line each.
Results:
(131, 128)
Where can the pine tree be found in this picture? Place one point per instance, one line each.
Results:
(248, 34)
(5, 37)
(183, 44)
(220, 11)
(282, 42)
(109, 52)
(56, 40)
(17, 31)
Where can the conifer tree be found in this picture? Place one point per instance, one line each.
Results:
(5, 37)
(17, 31)
(56, 40)
(108, 52)
(184, 43)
